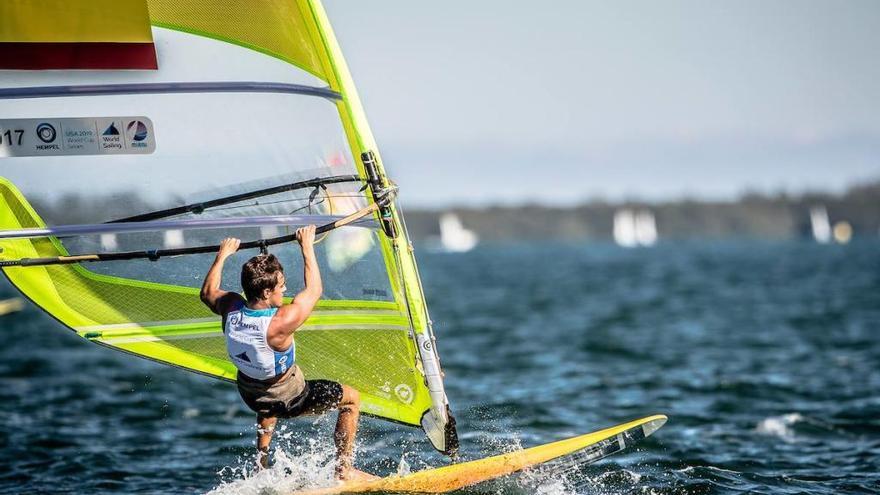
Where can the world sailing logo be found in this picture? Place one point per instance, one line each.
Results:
(112, 130)
(111, 138)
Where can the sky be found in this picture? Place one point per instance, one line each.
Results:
(499, 102)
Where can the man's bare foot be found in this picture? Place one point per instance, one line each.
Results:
(353, 474)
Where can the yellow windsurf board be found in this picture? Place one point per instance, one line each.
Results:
(590, 447)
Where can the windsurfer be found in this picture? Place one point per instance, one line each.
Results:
(259, 330)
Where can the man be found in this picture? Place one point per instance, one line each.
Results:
(259, 330)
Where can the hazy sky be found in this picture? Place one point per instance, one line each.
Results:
(501, 101)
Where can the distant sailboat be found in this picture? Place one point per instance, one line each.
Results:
(108, 242)
(843, 232)
(13, 305)
(453, 236)
(625, 228)
(269, 231)
(634, 228)
(646, 228)
(173, 239)
(820, 224)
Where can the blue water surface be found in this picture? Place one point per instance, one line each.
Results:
(765, 356)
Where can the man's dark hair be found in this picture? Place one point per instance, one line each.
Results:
(260, 272)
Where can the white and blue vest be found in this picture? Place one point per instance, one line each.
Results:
(248, 346)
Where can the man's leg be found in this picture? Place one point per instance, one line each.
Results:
(346, 429)
(325, 395)
(265, 428)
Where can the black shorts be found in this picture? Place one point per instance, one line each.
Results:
(318, 397)
(290, 397)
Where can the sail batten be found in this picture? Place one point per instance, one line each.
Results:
(166, 88)
(188, 224)
(200, 207)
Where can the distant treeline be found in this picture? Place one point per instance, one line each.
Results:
(752, 215)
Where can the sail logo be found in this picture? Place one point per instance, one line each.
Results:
(404, 393)
(111, 138)
(77, 138)
(385, 391)
(138, 133)
(112, 130)
(46, 133)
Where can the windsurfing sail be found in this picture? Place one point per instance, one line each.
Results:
(118, 179)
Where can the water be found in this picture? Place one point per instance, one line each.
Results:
(765, 356)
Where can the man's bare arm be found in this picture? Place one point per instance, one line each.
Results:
(292, 316)
(211, 293)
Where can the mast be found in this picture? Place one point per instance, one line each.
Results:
(438, 422)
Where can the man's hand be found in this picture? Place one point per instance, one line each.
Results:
(306, 236)
(228, 247)
(211, 294)
(291, 316)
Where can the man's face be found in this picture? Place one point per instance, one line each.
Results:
(276, 296)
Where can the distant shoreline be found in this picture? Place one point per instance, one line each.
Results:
(780, 216)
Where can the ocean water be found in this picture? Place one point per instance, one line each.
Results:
(764, 355)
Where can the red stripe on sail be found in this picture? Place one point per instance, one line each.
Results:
(94, 56)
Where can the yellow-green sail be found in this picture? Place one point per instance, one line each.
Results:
(249, 96)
